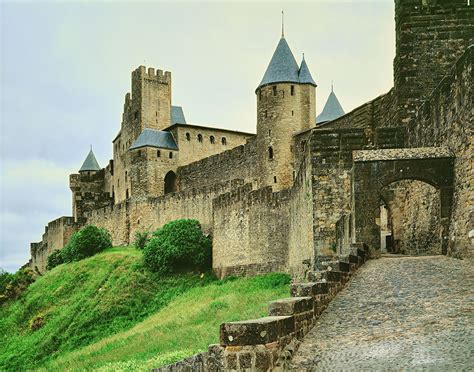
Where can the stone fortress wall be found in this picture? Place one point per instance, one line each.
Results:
(260, 225)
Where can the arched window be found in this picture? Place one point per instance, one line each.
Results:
(171, 155)
(158, 153)
(212, 139)
(200, 137)
(171, 184)
(224, 141)
(274, 179)
(188, 137)
(270, 152)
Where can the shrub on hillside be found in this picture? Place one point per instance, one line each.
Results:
(85, 243)
(12, 285)
(141, 238)
(54, 259)
(178, 246)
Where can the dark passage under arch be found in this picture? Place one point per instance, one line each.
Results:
(171, 184)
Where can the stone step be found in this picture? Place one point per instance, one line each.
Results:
(333, 266)
(325, 276)
(256, 331)
(310, 289)
(290, 306)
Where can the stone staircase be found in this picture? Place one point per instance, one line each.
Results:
(269, 343)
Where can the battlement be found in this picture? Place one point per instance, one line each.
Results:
(160, 76)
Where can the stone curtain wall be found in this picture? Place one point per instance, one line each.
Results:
(237, 163)
(124, 219)
(430, 36)
(55, 236)
(250, 231)
(414, 210)
(447, 119)
(300, 237)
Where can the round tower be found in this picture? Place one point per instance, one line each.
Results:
(286, 104)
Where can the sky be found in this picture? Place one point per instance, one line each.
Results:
(65, 69)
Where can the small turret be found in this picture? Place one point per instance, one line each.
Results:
(332, 109)
(90, 164)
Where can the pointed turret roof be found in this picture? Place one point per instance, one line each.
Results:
(282, 67)
(332, 109)
(90, 164)
(304, 74)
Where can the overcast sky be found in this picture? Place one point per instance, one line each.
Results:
(65, 69)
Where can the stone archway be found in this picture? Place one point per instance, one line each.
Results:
(375, 169)
(171, 182)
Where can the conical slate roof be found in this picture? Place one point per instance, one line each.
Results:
(90, 164)
(331, 111)
(304, 74)
(283, 68)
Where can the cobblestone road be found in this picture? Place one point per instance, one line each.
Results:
(410, 313)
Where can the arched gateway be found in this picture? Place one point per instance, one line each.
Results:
(375, 169)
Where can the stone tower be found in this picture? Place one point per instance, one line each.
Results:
(151, 100)
(286, 104)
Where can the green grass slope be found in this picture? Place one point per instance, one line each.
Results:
(107, 312)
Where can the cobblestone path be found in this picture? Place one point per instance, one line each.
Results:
(410, 313)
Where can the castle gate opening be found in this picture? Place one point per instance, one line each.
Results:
(171, 182)
(374, 171)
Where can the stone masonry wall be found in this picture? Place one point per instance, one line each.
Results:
(124, 219)
(250, 231)
(237, 163)
(414, 210)
(447, 119)
(56, 235)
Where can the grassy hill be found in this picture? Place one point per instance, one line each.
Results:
(109, 313)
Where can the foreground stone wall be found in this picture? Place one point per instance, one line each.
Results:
(250, 231)
(447, 119)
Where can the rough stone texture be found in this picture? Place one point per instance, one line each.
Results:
(447, 119)
(396, 314)
(56, 235)
(281, 114)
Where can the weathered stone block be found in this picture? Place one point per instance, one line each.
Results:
(310, 289)
(256, 331)
(290, 306)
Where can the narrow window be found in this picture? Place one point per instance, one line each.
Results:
(274, 90)
(269, 132)
(270, 152)
(135, 115)
(171, 155)
(266, 113)
(126, 194)
(274, 179)
(292, 113)
(224, 141)
(139, 153)
(158, 153)
(118, 182)
(156, 113)
(200, 137)
(260, 95)
(126, 175)
(188, 137)
(294, 175)
(292, 90)
(212, 139)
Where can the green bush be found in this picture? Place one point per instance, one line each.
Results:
(178, 246)
(54, 259)
(85, 243)
(141, 238)
(12, 285)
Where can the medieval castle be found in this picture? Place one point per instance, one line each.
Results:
(302, 186)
